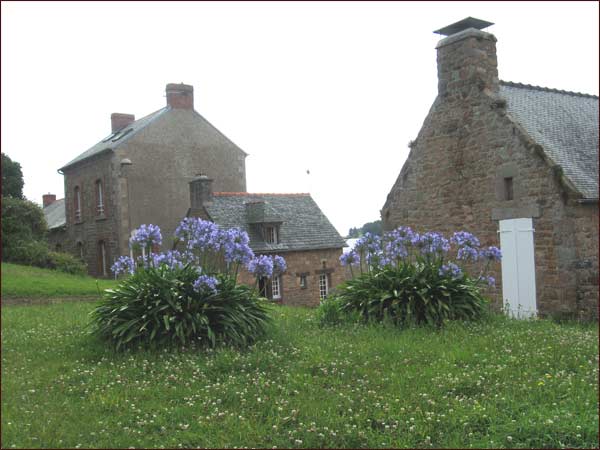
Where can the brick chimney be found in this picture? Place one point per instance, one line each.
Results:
(118, 121)
(180, 96)
(466, 59)
(48, 199)
(201, 191)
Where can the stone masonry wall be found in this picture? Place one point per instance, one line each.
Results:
(165, 157)
(92, 228)
(453, 180)
(311, 263)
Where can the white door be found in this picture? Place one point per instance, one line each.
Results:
(518, 267)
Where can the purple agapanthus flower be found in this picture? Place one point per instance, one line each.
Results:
(450, 269)
(491, 254)
(279, 265)
(124, 264)
(206, 283)
(491, 281)
(235, 246)
(261, 266)
(147, 235)
(349, 259)
(173, 259)
(397, 242)
(431, 243)
(463, 238)
(199, 234)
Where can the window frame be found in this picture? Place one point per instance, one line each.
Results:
(323, 285)
(509, 188)
(303, 282)
(77, 208)
(100, 198)
(276, 287)
(271, 234)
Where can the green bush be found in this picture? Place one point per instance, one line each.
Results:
(158, 306)
(410, 294)
(65, 262)
(27, 252)
(22, 220)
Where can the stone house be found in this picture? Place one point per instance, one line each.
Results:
(139, 174)
(289, 225)
(517, 165)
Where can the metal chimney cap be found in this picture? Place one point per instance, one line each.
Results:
(462, 25)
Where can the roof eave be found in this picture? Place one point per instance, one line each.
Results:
(74, 163)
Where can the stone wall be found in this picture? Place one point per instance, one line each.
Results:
(92, 228)
(454, 176)
(165, 157)
(310, 263)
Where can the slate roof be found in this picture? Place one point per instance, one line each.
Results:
(55, 214)
(565, 124)
(303, 224)
(113, 140)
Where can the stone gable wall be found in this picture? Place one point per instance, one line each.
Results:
(453, 180)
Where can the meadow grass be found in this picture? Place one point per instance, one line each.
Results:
(33, 282)
(501, 383)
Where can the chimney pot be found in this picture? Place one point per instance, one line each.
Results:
(118, 121)
(48, 199)
(180, 96)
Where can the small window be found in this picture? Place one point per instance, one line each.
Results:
(80, 250)
(121, 134)
(77, 204)
(508, 188)
(58, 248)
(271, 235)
(102, 259)
(99, 198)
(303, 281)
(323, 286)
(276, 287)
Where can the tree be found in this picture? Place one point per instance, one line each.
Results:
(12, 178)
(369, 227)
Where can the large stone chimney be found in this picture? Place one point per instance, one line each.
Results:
(118, 121)
(48, 199)
(466, 59)
(201, 191)
(180, 96)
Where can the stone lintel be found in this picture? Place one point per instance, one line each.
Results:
(516, 212)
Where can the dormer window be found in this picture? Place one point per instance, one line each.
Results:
(271, 234)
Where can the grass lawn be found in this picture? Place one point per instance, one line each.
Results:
(33, 282)
(499, 384)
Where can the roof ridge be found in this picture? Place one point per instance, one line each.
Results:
(546, 89)
(240, 194)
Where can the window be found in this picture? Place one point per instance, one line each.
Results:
(80, 250)
(271, 235)
(303, 281)
(276, 287)
(102, 259)
(58, 247)
(99, 198)
(77, 204)
(508, 188)
(323, 286)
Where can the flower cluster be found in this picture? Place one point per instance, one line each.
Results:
(468, 246)
(235, 246)
(261, 266)
(491, 254)
(279, 265)
(173, 259)
(147, 235)
(199, 234)
(206, 283)
(351, 258)
(431, 243)
(124, 264)
(450, 269)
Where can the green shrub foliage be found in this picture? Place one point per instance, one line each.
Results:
(410, 278)
(186, 297)
(65, 262)
(158, 306)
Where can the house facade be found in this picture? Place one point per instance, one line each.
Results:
(139, 174)
(288, 225)
(517, 165)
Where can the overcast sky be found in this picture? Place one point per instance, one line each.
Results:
(335, 88)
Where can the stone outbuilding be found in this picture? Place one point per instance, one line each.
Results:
(139, 174)
(517, 165)
(289, 225)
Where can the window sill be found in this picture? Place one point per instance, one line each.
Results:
(79, 222)
(100, 218)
